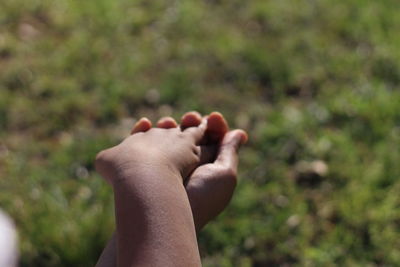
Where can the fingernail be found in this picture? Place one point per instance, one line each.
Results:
(244, 138)
(216, 113)
(196, 112)
(137, 123)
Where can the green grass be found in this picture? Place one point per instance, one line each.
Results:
(315, 83)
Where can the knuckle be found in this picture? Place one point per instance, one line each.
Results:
(196, 150)
(196, 158)
(192, 159)
(181, 135)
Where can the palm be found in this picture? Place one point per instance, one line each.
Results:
(209, 189)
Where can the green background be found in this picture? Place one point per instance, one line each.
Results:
(315, 83)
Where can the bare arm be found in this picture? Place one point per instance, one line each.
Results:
(211, 185)
(154, 221)
(108, 257)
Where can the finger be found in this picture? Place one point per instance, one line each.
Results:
(197, 133)
(217, 127)
(143, 125)
(208, 154)
(228, 151)
(167, 123)
(190, 119)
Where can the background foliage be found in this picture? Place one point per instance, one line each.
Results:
(314, 82)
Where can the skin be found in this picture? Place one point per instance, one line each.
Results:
(209, 187)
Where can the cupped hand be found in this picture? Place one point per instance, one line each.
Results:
(211, 185)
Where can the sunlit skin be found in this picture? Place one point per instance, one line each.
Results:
(211, 185)
(210, 178)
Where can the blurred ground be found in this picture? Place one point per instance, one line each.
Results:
(316, 84)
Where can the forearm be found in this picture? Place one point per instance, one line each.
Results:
(154, 221)
(108, 257)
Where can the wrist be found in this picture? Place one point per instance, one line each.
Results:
(145, 173)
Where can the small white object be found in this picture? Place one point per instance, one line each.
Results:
(8, 242)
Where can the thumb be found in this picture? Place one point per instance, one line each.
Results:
(228, 151)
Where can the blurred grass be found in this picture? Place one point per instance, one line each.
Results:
(315, 83)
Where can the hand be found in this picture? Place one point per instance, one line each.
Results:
(210, 186)
(168, 149)
(153, 215)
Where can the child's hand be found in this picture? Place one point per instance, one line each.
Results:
(210, 186)
(154, 220)
(171, 150)
(151, 228)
